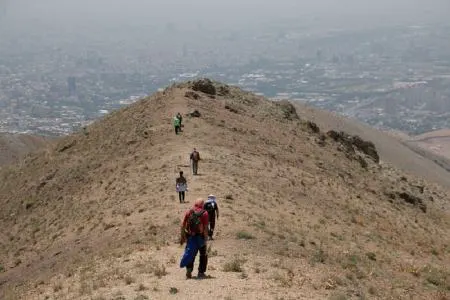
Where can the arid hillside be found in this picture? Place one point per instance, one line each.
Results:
(305, 212)
(15, 146)
(399, 150)
(437, 142)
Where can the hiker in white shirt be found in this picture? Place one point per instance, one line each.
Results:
(181, 187)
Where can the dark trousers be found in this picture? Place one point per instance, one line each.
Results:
(194, 167)
(203, 261)
(177, 129)
(212, 224)
(181, 196)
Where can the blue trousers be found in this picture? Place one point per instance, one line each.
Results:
(194, 244)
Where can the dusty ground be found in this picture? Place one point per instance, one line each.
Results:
(97, 216)
(435, 141)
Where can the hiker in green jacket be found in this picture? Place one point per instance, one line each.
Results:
(177, 124)
(179, 116)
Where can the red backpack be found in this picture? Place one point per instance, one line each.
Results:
(194, 222)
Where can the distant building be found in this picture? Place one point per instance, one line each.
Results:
(72, 85)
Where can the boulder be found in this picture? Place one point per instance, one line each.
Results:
(204, 85)
(192, 95)
(313, 127)
(194, 114)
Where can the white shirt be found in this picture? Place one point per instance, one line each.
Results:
(211, 200)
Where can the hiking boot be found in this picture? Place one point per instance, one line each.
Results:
(201, 276)
(188, 274)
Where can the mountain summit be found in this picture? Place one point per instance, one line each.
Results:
(306, 213)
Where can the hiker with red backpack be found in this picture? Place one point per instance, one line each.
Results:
(195, 157)
(194, 231)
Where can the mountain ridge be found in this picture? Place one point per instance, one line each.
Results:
(96, 216)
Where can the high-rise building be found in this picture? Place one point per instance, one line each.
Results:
(72, 85)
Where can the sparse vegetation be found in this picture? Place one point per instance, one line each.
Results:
(141, 288)
(129, 279)
(159, 271)
(285, 280)
(437, 277)
(85, 288)
(350, 262)
(57, 287)
(235, 265)
(244, 235)
(173, 290)
(371, 256)
(372, 290)
(338, 296)
(211, 252)
(319, 256)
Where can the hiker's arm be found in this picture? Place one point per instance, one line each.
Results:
(205, 221)
(205, 232)
(182, 231)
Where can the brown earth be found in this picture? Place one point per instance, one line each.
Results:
(395, 149)
(437, 142)
(305, 214)
(14, 146)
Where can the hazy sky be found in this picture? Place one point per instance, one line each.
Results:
(103, 19)
(212, 11)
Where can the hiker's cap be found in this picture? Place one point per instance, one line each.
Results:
(199, 203)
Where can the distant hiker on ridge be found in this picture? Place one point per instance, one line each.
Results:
(213, 211)
(181, 187)
(194, 232)
(195, 157)
(177, 124)
(181, 120)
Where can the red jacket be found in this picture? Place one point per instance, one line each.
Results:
(203, 219)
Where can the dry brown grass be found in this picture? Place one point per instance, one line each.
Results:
(296, 214)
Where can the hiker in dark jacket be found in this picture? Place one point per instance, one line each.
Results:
(195, 157)
(213, 212)
(194, 231)
(181, 187)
